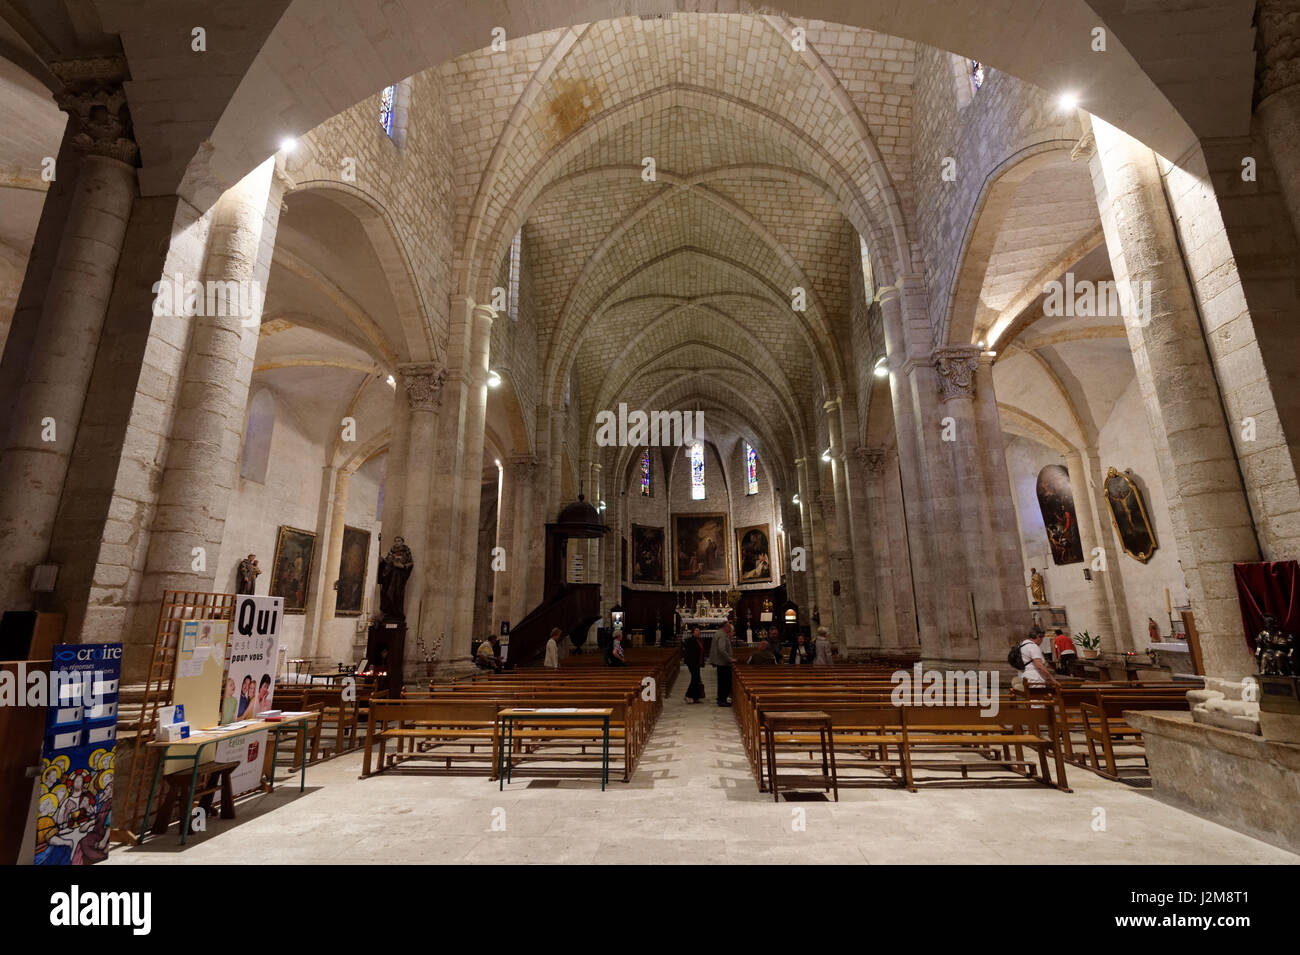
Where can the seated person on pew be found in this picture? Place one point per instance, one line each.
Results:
(614, 654)
(489, 655)
(762, 654)
(800, 652)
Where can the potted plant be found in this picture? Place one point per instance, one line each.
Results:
(1088, 645)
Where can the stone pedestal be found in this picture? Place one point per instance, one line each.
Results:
(1244, 782)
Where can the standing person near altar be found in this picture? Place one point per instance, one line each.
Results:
(720, 655)
(693, 657)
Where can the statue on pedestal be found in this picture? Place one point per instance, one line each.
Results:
(246, 579)
(1036, 586)
(1275, 652)
(394, 570)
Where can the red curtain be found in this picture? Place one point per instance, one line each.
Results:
(1268, 587)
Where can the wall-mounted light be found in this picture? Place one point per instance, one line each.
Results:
(601, 506)
(493, 379)
(497, 461)
(288, 144)
(1068, 101)
(392, 382)
(882, 367)
(826, 455)
(795, 500)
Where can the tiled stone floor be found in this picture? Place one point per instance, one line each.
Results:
(693, 800)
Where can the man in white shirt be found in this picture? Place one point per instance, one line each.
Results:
(1036, 672)
(553, 649)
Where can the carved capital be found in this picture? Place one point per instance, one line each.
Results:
(423, 382)
(1277, 65)
(523, 468)
(873, 458)
(956, 365)
(93, 97)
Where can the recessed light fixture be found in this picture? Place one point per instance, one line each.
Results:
(493, 379)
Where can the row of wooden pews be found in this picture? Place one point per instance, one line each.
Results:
(875, 741)
(457, 725)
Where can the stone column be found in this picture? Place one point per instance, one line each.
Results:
(42, 431)
(555, 495)
(1119, 638)
(806, 576)
(205, 438)
(525, 574)
(1278, 93)
(471, 473)
(324, 573)
(1198, 462)
(421, 385)
(848, 612)
(503, 578)
(886, 564)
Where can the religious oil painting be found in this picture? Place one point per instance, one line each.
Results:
(647, 555)
(292, 567)
(754, 553)
(1128, 513)
(352, 572)
(700, 549)
(1056, 502)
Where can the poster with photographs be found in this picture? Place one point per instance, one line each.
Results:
(352, 572)
(753, 554)
(250, 684)
(291, 569)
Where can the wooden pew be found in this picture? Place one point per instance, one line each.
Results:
(1106, 729)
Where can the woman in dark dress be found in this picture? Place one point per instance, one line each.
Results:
(693, 657)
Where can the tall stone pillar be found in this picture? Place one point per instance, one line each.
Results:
(886, 563)
(40, 435)
(471, 473)
(555, 457)
(1278, 93)
(525, 570)
(848, 612)
(1118, 638)
(806, 576)
(1198, 463)
(321, 596)
(205, 439)
(420, 386)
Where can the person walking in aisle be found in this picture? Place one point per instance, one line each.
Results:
(553, 649)
(693, 657)
(720, 655)
(822, 648)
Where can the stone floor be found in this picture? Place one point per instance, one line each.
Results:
(694, 800)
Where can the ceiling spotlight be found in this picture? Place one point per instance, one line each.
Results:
(882, 368)
(288, 144)
(493, 379)
(1068, 101)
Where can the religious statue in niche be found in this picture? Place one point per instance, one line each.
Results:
(1036, 586)
(394, 570)
(246, 576)
(1056, 503)
(1129, 515)
(1275, 651)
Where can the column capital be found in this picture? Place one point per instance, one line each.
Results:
(827, 503)
(1278, 65)
(523, 467)
(94, 98)
(832, 405)
(872, 457)
(423, 382)
(484, 313)
(956, 365)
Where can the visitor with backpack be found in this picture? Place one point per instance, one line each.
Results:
(1027, 657)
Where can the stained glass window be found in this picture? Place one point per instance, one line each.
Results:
(697, 471)
(751, 470)
(645, 473)
(512, 294)
(387, 103)
(976, 69)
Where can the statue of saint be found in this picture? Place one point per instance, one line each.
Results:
(394, 570)
(1036, 586)
(246, 580)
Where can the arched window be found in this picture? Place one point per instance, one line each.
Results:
(868, 273)
(645, 473)
(697, 471)
(257, 438)
(751, 470)
(387, 105)
(512, 288)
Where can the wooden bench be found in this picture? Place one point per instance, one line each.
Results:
(449, 731)
(1106, 730)
(214, 777)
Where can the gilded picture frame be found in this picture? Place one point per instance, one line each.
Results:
(1128, 515)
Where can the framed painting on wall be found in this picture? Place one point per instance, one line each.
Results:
(291, 569)
(647, 554)
(1128, 513)
(700, 549)
(352, 572)
(1056, 503)
(753, 554)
